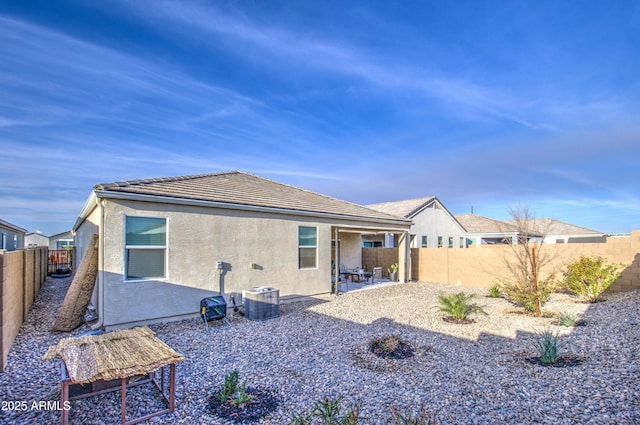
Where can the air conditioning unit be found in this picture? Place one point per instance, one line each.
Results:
(261, 303)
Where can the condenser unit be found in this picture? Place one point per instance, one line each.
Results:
(261, 303)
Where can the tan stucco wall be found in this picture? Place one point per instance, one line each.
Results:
(21, 275)
(350, 250)
(197, 238)
(484, 265)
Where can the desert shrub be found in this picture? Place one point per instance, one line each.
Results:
(231, 390)
(547, 343)
(495, 292)
(589, 277)
(391, 346)
(327, 411)
(458, 306)
(567, 319)
(523, 293)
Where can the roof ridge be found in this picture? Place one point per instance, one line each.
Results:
(316, 193)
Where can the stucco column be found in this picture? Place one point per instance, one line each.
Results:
(337, 262)
(404, 267)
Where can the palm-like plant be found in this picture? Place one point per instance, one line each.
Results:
(459, 306)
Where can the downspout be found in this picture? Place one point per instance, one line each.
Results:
(100, 322)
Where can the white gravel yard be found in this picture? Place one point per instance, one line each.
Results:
(469, 374)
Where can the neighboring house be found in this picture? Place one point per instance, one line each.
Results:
(555, 231)
(433, 225)
(11, 236)
(487, 231)
(166, 243)
(34, 239)
(62, 240)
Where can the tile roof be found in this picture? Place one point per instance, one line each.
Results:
(474, 223)
(406, 208)
(550, 226)
(12, 227)
(236, 187)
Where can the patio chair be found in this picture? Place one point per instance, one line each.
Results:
(376, 274)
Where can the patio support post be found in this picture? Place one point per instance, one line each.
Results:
(336, 263)
(404, 271)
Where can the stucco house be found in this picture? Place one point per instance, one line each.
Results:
(487, 231)
(556, 231)
(33, 239)
(62, 240)
(11, 236)
(166, 243)
(433, 225)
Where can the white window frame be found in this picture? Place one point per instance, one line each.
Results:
(315, 247)
(164, 247)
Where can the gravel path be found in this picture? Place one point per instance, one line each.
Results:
(468, 374)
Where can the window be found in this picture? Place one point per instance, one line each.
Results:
(461, 242)
(425, 241)
(450, 241)
(64, 244)
(146, 246)
(372, 244)
(307, 247)
(439, 241)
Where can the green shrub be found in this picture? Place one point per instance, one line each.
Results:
(589, 277)
(495, 292)
(387, 344)
(548, 345)
(567, 319)
(524, 295)
(231, 390)
(328, 412)
(459, 305)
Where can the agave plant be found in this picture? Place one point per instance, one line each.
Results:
(547, 343)
(459, 306)
(567, 319)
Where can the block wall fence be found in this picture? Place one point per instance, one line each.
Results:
(22, 273)
(485, 265)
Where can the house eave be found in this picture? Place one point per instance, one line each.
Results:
(399, 224)
(89, 206)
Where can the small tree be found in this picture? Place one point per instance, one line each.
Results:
(524, 284)
(589, 277)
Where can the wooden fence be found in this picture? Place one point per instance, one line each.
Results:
(22, 273)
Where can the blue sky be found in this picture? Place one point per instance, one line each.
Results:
(481, 103)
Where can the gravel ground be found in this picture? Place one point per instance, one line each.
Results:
(469, 374)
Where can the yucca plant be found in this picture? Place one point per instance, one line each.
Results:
(547, 343)
(459, 306)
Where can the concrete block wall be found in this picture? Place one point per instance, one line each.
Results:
(485, 265)
(22, 273)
